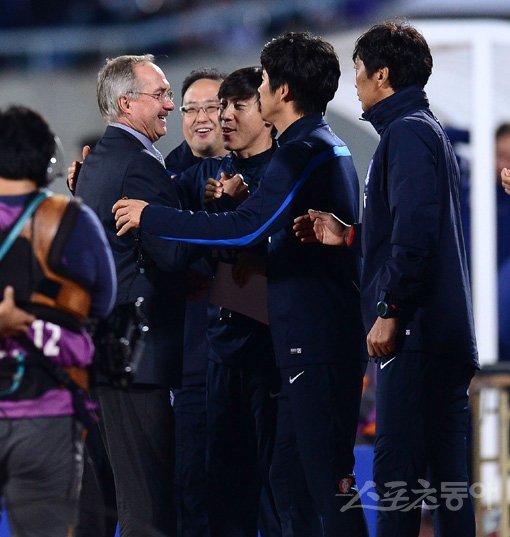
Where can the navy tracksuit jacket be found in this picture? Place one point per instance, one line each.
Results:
(313, 295)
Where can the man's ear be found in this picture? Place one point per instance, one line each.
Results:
(383, 77)
(124, 104)
(284, 93)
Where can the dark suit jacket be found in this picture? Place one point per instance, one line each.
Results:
(119, 166)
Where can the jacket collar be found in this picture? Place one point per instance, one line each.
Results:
(400, 103)
(303, 124)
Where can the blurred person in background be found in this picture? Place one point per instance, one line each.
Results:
(502, 161)
(505, 179)
(57, 262)
(503, 166)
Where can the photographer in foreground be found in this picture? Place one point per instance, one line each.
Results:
(55, 260)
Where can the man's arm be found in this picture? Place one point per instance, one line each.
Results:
(148, 181)
(413, 201)
(267, 210)
(89, 255)
(13, 321)
(413, 196)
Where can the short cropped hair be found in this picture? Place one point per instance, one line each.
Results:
(115, 79)
(208, 73)
(307, 64)
(26, 145)
(400, 48)
(241, 84)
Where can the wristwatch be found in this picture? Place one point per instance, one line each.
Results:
(385, 309)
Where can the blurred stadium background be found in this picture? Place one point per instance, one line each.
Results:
(51, 50)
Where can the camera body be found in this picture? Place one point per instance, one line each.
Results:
(120, 341)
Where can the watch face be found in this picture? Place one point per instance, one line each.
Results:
(382, 309)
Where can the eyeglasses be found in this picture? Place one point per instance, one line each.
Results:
(160, 96)
(193, 111)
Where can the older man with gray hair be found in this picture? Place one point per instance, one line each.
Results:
(134, 98)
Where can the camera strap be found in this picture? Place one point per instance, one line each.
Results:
(22, 219)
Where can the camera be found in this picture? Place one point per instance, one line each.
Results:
(120, 342)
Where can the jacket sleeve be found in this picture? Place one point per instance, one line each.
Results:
(267, 210)
(147, 180)
(88, 255)
(413, 201)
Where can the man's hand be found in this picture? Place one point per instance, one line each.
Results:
(13, 321)
(127, 215)
(233, 185)
(74, 169)
(505, 179)
(325, 228)
(382, 338)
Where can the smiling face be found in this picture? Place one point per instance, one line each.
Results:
(244, 130)
(202, 130)
(147, 114)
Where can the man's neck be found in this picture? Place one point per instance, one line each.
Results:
(255, 149)
(286, 119)
(18, 187)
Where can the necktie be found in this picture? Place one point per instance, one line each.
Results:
(159, 156)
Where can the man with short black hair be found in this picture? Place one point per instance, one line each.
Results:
(416, 299)
(242, 380)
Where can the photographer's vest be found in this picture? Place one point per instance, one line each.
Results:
(33, 266)
(43, 286)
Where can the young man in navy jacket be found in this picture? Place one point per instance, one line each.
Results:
(416, 300)
(320, 357)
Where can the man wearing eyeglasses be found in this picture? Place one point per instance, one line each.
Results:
(202, 138)
(200, 124)
(134, 98)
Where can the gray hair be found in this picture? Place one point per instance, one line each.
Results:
(117, 78)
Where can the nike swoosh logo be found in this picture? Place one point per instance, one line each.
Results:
(292, 379)
(273, 395)
(386, 362)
